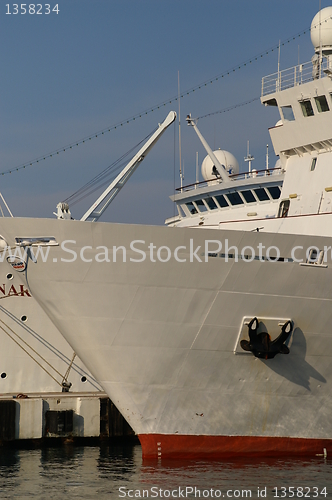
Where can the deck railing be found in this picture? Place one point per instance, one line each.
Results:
(241, 176)
(297, 75)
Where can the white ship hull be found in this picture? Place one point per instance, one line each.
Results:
(163, 338)
(34, 355)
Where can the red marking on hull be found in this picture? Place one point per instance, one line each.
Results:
(179, 446)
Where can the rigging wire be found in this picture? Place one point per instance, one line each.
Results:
(51, 348)
(230, 108)
(3, 328)
(103, 177)
(163, 103)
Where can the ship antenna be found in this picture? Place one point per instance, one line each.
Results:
(249, 157)
(279, 83)
(181, 176)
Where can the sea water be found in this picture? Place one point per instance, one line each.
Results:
(111, 472)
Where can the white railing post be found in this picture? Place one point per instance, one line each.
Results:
(291, 77)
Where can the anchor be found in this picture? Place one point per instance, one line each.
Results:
(260, 344)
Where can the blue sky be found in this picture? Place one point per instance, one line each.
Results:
(99, 62)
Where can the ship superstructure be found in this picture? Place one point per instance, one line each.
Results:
(302, 139)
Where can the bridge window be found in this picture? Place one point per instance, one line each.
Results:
(306, 108)
(200, 205)
(288, 114)
(191, 207)
(261, 194)
(235, 198)
(222, 202)
(248, 196)
(274, 192)
(321, 104)
(211, 203)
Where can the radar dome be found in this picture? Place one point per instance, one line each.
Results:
(321, 26)
(226, 159)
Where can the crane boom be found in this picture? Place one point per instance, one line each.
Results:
(100, 205)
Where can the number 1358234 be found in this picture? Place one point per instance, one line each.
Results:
(32, 8)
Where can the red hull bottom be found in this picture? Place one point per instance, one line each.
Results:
(176, 446)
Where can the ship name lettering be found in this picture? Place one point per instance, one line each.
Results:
(13, 292)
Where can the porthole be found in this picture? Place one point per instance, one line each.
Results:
(3, 375)
(83, 379)
(9, 276)
(24, 318)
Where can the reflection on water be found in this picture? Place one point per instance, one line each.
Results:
(99, 472)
